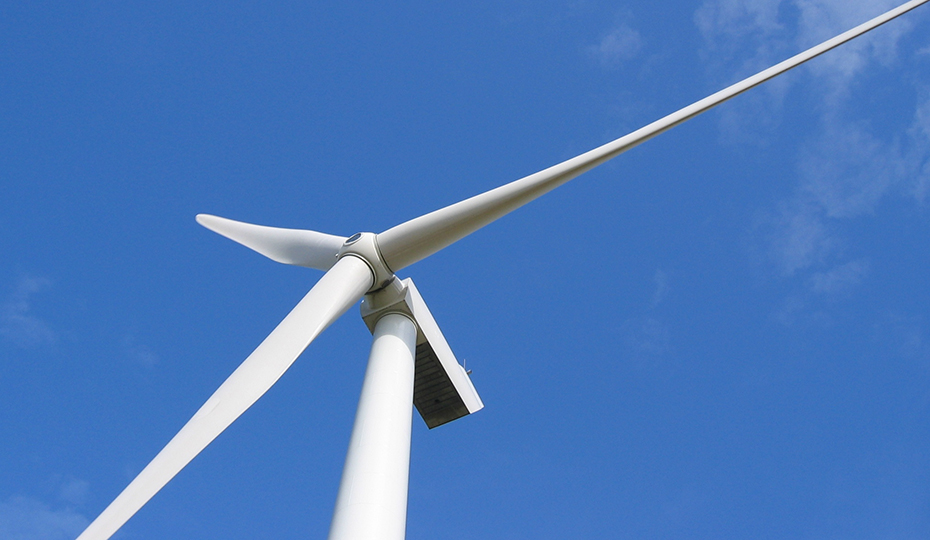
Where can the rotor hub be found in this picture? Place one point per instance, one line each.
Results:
(364, 245)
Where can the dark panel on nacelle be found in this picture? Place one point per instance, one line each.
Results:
(433, 392)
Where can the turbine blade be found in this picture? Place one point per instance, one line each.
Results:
(420, 237)
(338, 290)
(289, 246)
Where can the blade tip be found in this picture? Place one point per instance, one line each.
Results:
(208, 220)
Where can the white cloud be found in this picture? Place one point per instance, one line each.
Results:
(661, 281)
(730, 28)
(18, 322)
(139, 353)
(797, 236)
(845, 167)
(723, 21)
(848, 170)
(647, 336)
(620, 44)
(755, 32)
(25, 518)
(741, 37)
(920, 136)
(922, 184)
(820, 20)
(840, 278)
(921, 127)
(73, 491)
(905, 337)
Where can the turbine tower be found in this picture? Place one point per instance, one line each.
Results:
(410, 361)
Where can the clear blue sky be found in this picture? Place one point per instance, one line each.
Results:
(722, 334)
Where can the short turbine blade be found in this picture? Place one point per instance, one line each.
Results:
(419, 238)
(289, 246)
(338, 290)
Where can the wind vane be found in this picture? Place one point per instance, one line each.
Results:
(410, 361)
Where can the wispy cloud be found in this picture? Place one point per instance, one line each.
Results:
(797, 237)
(139, 353)
(647, 336)
(845, 168)
(622, 43)
(18, 321)
(820, 20)
(73, 491)
(753, 33)
(25, 518)
(742, 37)
(839, 278)
(905, 339)
(726, 25)
(920, 136)
(847, 171)
(661, 281)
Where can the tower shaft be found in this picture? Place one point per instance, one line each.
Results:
(372, 500)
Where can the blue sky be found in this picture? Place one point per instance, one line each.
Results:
(721, 334)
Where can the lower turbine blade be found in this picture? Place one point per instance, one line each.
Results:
(289, 246)
(336, 292)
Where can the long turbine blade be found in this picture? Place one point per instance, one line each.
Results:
(338, 290)
(289, 246)
(420, 237)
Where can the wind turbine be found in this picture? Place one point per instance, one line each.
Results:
(410, 361)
